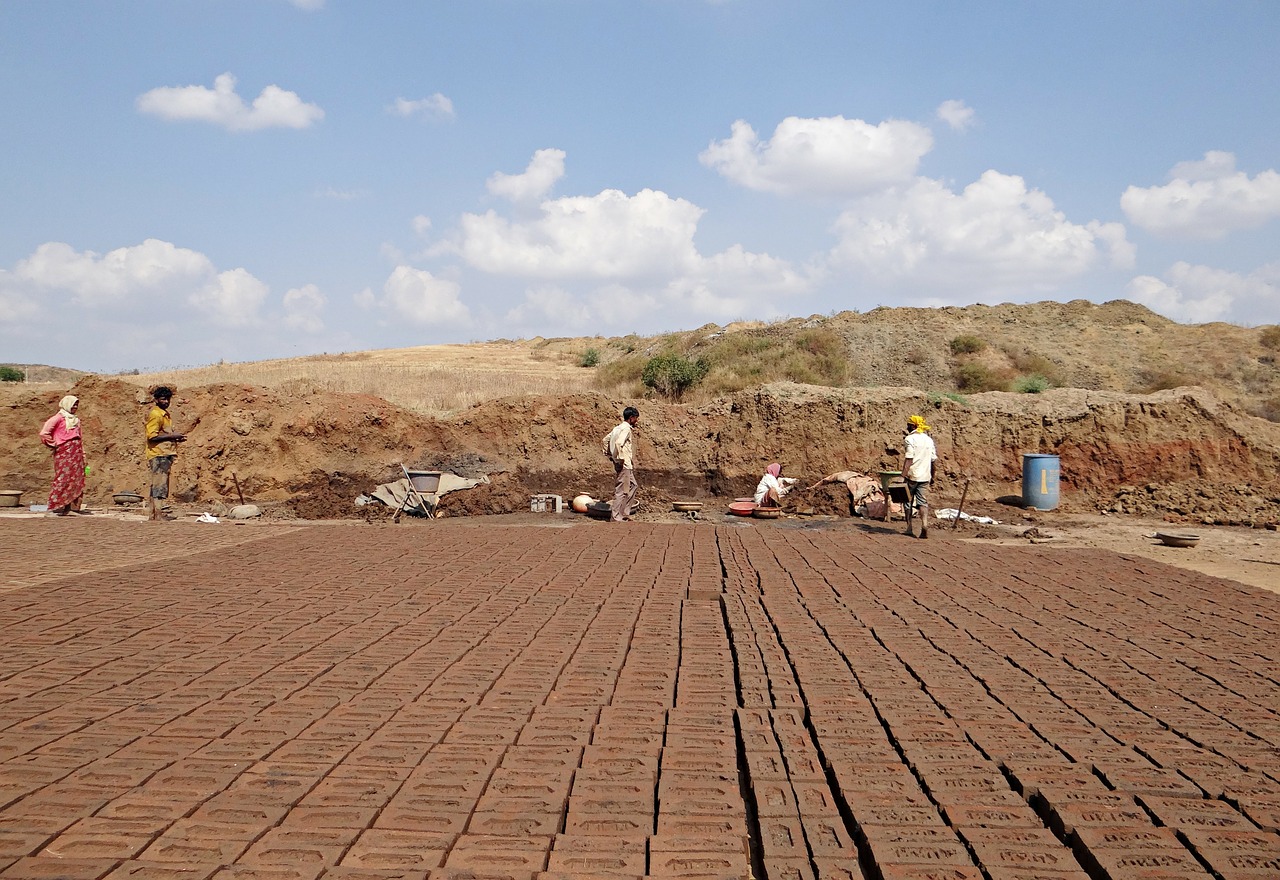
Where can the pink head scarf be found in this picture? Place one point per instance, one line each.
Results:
(775, 469)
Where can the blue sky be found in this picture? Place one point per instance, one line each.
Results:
(204, 180)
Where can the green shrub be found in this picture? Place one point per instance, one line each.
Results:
(967, 344)
(672, 375)
(11, 374)
(936, 397)
(1031, 384)
(979, 377)
(590, 357)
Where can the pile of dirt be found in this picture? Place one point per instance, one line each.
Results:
(1180, 453)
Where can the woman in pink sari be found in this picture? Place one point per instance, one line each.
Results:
(62, 434)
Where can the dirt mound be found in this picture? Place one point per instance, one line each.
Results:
(1180, 453)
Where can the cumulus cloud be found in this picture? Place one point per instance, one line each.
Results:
(829, 156)
(611, 260)
(435, 106)
(994, 236)
(417, 296)
(127, 273)
(150, 300)
(606, 237)
(1199, 294)
(544, 169)
(231, 299)
(303, 309)
(273, 108)
(1205, 199)
(957, 114)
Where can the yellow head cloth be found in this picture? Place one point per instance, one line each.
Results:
(917, 423)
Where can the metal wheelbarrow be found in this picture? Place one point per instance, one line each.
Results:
(423, 486)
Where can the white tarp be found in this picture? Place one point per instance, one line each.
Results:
(396, 494)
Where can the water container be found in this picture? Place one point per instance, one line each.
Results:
(1039, 481)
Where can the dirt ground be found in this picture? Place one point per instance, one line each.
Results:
(1240, 553)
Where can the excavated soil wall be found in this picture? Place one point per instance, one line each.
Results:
(1180, 452)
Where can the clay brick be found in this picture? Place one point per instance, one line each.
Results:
(144, 870)
(793, 868)
(305, 847)
(1233, 853)
(485, 853)
(914, 871)
(781, 834)
(707, 827)
(54, 868)
(512, 820)
(827, 836)
(773, 798)
(699, 864)
(94, 838)
(1023, 849)
(1184, 813)
(838, 868)
(341, 872)
(399, 850)
(620, 825)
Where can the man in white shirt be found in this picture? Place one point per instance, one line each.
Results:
(620, 450)
(917, 470)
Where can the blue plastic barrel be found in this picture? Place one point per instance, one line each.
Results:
(1039, 481)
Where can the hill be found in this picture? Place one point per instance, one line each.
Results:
(1116, 346)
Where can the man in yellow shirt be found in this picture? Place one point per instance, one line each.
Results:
(162, 446)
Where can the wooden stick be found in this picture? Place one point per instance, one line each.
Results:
(239, 494)
(963, 495)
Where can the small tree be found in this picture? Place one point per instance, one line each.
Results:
(11, 374)
(672, 375)
(590, 357)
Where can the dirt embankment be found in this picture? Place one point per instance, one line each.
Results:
(1180, 453)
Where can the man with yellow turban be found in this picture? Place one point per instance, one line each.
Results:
(917, 470)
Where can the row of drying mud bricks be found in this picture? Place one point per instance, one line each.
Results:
(873, 708)
(549, 751)
(933, 771)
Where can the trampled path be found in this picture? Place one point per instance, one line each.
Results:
(356, 701)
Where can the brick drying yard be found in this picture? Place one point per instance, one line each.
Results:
(458, 700)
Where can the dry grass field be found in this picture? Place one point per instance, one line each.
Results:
(1115, 346)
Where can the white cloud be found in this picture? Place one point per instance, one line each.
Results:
(128, 273)
(1205, 199)
(435, 106)
(231, 299)
(608, 236)
(544, 169)
(273, 108)
(996, 236)
(303, 308)
(614, 260)
(417, 296)
(830, 156)
(1199, 294)
(957, 114)
(17, 306)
